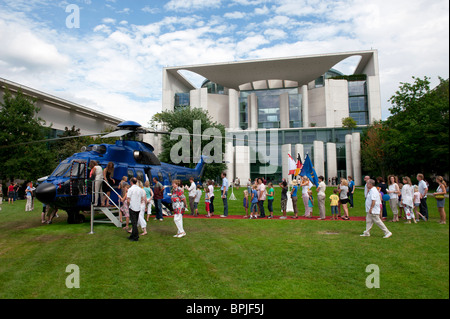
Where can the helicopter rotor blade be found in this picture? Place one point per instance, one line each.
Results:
(52, 139)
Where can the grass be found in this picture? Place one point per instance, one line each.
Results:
(223, 258)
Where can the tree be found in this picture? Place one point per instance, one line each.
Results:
(349, 122)
(184, 118)
(415, 138)
(20, 124)
(418, 127)
(372, 153)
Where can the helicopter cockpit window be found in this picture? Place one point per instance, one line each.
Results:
(61, 169)
(140, 176)
(160, 177)
(130, 174)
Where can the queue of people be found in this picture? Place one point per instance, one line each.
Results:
(406, 201)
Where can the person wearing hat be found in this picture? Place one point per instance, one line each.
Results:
(294, 197)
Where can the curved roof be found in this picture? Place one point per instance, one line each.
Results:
(302, 69)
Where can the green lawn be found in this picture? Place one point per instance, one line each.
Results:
(223, 258)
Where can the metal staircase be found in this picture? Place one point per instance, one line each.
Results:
(109, 212)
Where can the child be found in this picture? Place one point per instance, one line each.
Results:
(149, 197)
(198, 195)
(253, 209)
(245, 203)
(124, 209)
(270, 200)
(207, 202)
(334, 199)
(417, 203)
(310, 203)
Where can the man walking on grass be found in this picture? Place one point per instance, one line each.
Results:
(373, 202)
(134, 198)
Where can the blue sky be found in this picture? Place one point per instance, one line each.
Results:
(113, 62)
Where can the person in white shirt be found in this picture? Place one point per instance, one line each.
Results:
(224, 191)
(423, 190)
(211, 197)
(366, 178)
(393, 191)
(192, 193)
(141, 220)
(408, 199)
(321, 197)
(261, 197)
(306, 185)
(97, 172)
(134, 199)
(373, 208)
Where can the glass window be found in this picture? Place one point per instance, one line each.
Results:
(291, 137)
(308, 137)
(359, 117)
(357, 104)
(181, 99)
(295, 110)
(61, 169)
(130, 174)
(357, 88)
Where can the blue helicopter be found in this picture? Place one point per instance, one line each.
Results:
(69, 187)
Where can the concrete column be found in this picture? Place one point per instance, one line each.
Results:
(233, 109)
(299, 150)
(229, 160)
(331, 161)
(284, 110)
(305, 107)
(319, 156)
(242, 163)
(348, 155)
(356, 158)
(253, 111)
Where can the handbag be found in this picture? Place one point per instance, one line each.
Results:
(439, 197)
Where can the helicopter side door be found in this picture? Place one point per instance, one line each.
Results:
(78, 178)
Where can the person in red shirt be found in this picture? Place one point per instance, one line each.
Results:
(11, 193)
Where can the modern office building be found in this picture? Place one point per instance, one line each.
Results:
(275, 107)
(60, 113)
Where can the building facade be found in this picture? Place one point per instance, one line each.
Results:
(59, 113)
(276, 107)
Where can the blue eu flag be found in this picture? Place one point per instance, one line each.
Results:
(308, 170)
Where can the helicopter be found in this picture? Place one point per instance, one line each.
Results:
(69, 188)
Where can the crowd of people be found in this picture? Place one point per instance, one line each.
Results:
(137, 199)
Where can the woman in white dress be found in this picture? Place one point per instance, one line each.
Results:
(393, 191)
(407, 199)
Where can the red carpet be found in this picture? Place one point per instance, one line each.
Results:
(276, 217)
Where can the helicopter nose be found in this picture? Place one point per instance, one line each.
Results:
(46, 193)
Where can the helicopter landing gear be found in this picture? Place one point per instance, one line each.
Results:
(74, 216)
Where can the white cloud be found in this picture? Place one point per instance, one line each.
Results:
(262, 11)
(23, 47)
(275, 34)
(109, 20)
(190, 5)
(117, 67)
(234, 15)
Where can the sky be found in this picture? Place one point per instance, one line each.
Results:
(108, 55)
